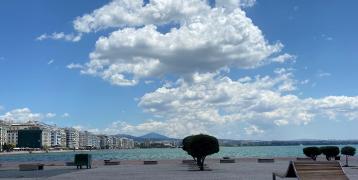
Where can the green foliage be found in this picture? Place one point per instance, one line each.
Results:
(312, 152)
(8, 147)
(186, 145)
(348, 151)
(199, 146)
(330, 151)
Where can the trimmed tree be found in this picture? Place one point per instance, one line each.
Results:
(330, 151)
(199, 146)
(312, 152)
(348, 151)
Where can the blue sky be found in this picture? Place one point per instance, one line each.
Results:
(315, 40)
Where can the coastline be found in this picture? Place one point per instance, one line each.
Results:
(39, 152)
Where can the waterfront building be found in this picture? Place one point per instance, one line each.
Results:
(30, 138)
(88, 140)
(103, 141)
(58, 137)
(96, 142)
(116, 142)
(72, 138)
(12, 132)
(3, 134)
(127, 143)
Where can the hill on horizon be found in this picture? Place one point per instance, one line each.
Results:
(152, 136)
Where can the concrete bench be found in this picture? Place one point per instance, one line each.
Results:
(70, 164)
(227, 160)
(31, 167)
(110, 163)
(266, 160)
(188, 161)
(150, 162)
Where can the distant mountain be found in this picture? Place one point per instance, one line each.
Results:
(149, 136)
(127, 136)
(155, 136)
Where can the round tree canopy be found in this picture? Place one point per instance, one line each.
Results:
(348, 150)
(200, 145)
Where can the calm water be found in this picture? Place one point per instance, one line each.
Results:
(157, 154)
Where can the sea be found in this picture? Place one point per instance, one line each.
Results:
(159, 154)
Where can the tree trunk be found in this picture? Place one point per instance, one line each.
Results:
(347, 160)
(200, 163)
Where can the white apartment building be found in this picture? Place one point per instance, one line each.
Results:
(72, 138)
(3, 134)
(46, 137)
(126, 143)
(96, 142)
(58, 137)
(12, 132)
(87, 139)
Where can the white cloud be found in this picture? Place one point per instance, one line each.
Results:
(123, 13)
(233, 4)
(207, 39)
(251, 130)
(50, 115)
(326, 37)
(212, 100)
(65, 115)
(306, 81)
(79, 127)
(322, 74)
(284, 58)
(60, 36)
(74, 66)
(50, 62)
(21, 115)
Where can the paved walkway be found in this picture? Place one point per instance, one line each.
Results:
(173, 170)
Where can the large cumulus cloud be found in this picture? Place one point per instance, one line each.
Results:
(202, 39)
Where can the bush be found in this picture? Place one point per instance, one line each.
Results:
(330, 151)
(312, 152)
(348, 151)
(199, 146)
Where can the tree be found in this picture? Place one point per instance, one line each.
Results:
(330, 151)
(348, 151)
(199, 146)
(312, 152)
(8, 147)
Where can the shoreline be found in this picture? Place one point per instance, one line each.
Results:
(40, 152)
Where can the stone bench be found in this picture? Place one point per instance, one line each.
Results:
(227, 160)
(70, 164)
(31, 167)
(188, 161)
(150, 162)
(266, 160)
(110, 163)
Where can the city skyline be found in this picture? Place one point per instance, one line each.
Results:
(238, 69)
